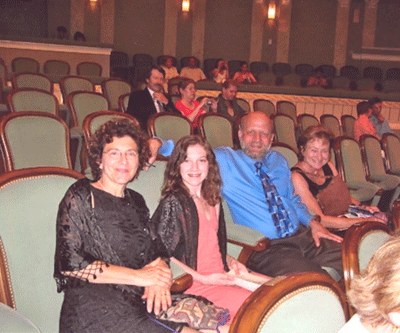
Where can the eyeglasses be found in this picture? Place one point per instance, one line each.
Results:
(116, 154)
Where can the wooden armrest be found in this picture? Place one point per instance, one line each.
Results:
(182, 280)
(248, 249)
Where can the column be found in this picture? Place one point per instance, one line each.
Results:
(107, 21)
(368, 36)
(199, 28)
(77, 16)
(171, 26)
(283, 35)
(257, 31)
(341, 34)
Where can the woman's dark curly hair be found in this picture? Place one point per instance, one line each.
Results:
(312, 133)
(172, 178)
(106, 134)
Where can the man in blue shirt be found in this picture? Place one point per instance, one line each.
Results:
(381, 124)
(306, 245)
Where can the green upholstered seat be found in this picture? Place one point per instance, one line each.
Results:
(11, 321)
(285, 130)
(288, 108)
(217, 129)
(243, 104)
(83, 103)
(330, 121)
(56, 67)
(32, 80)
(348, 125)
(306, 120)
(29, 200)
(301, 303)
(113, 88)
(287, 152)
(391, 147)
(44, 142)
(264, 105)
(123, 101)
(30, 99)
(169, 126)
(351, 168)
(359, 245)
(71, 83)
(89, 68)
(22, 64)
(372, 158)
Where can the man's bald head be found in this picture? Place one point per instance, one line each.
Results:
(256, 134)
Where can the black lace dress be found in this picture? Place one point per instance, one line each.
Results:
(93, 225)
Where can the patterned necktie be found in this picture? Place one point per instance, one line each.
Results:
(284, 226)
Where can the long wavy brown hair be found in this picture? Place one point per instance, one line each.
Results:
(210, 189)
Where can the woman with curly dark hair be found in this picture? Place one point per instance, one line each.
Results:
(108, 260)
(191, 224)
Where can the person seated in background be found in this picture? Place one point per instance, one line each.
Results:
(221, 71)
(381, 124)
(109, 262)
(319, 184)
(317, 80)
(375, 293)
(227, 102)
(188, 105)
(363, 124)
(170, 71)
(192, 71)
(79, 37)
(61, 32)
(144, 103)
(244, 75)
(190, 222)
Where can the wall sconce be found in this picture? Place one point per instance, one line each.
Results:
(271, 11)
(93, 1)
(185, 6)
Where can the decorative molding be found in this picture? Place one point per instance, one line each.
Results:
(170, 27)
(199, 28)
(375, 57)
(257, 31)
(107, 12)
(370, 12)
(54, 47)
(283, 35)
(341, 34)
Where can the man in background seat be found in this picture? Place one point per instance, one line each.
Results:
(192, 71)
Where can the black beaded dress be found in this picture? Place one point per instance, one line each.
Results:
(93, 225)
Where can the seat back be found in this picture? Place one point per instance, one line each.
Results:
(393, 74)
(209, 65)
(3, 71)
(374, 73)
(391, 147)
(71, 83)
(83, 103)
(341, 82)
(123, 101)
(234, 66)
(266, 78)
(29, 99)
(348, 121)
(28, 232)
(218, 129)
(285, 130)
(288, 108)
(372, 156)
(306, 120)
(168, 126)
(391, 85)
(287, 151)
(350, 72)
(245, 105)
(328, 71)
(32, 80)
(89, 68)
(256, 67)
(57, 67)
(22, 64)
(112, 88)
(118, 59)
(284, 305)
(366, 84)
(330, 121)
(359, 245)
(281, 68)
(141, 63)
(292, 80)
(44, 142)
(264, 105)
(94, 120)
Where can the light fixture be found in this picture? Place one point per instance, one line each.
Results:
(185, 5)
(93, 0)
(271, 11)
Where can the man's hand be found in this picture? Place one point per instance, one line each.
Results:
(160, 97)
(318, 232)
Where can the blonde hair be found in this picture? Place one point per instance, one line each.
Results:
(376, 291)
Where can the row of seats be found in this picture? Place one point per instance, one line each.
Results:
(27, 249)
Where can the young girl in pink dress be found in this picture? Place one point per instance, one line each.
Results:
(191, 224)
